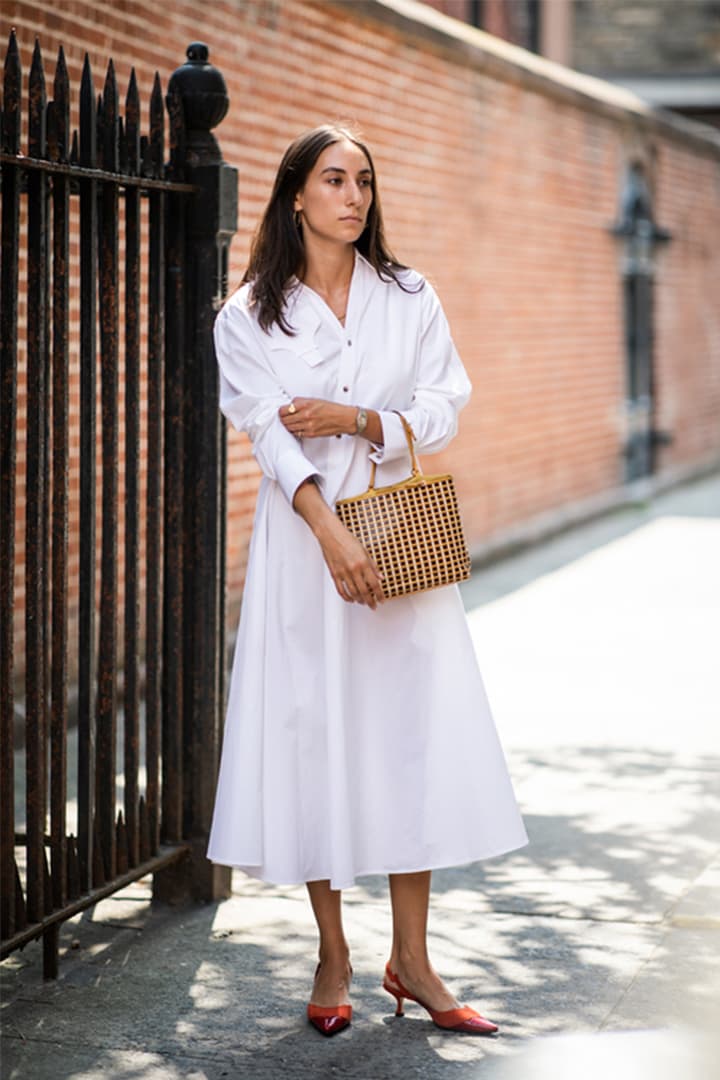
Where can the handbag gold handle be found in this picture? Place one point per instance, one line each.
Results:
(410, 436)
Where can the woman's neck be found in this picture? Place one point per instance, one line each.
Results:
(329, 270)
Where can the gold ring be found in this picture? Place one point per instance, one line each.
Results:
(291, 408)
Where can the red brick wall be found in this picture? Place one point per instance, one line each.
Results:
(501, 189)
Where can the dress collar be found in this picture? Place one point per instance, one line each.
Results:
(361, 268)
(304, 306)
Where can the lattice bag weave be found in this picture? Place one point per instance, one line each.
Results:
(411, 530)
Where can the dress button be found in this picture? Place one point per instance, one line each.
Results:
(345, 389)
(349, 341)
(338, 436)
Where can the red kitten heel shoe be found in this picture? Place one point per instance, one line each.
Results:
(329, 1019)
(464, 1019)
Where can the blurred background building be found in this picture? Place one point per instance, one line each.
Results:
(668, 53)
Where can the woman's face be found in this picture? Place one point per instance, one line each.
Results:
(336, 198)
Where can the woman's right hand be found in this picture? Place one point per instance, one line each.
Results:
(354, 574)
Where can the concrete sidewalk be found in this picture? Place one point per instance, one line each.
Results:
(597, 948)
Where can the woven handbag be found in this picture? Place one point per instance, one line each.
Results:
(411, 530)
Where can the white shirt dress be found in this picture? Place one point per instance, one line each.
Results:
(356, 741)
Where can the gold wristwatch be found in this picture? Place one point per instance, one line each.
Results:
(361, 421)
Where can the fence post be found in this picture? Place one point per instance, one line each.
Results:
(210, 223)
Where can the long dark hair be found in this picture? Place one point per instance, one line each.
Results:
(278, 251)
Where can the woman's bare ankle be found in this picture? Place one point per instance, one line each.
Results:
(333, 976)
(335, 957)
(411, 961)
(413, 970)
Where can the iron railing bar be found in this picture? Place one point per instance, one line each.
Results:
(87, 647)
(9, 245)
(105, 791)
(60, 489)
(131, 682)
(154, 511)
(80, 172)
(47, 527)
(157, 210)
(34, 506)
(167, 855)
(172, 686)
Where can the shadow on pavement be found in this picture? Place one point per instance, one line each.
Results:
(572, 934)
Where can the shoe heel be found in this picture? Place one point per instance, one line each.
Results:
(399, 999)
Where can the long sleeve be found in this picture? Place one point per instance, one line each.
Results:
(250, 397)
(441, 390)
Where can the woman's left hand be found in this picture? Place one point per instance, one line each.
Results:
(313, 418)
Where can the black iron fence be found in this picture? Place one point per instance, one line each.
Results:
(119, 262)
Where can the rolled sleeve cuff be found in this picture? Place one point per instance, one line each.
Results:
(291, 471)
(394, 440)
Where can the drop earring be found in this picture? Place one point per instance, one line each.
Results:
(296, 216)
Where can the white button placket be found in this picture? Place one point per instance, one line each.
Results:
(342, 448)
(346, 374)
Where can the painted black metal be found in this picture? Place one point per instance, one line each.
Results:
(165, 856)
(131, 657)
(641, 236)
(10, 911)
(86, 654)
(211, 215)
(77, 172)
(58, 129)
(116, 174)
(35, 703)
(150, 811)
(108, 300)
(173, 613)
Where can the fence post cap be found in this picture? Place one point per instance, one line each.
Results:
(202, 90)
(197, 52)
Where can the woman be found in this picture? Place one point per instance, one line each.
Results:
(358, 737)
